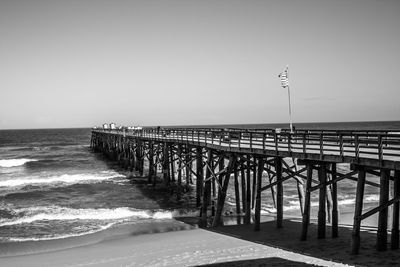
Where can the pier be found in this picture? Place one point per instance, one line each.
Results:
(211, 157)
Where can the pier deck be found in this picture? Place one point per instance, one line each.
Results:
(212, 155)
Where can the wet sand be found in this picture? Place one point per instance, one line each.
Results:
(179, 248)
(232, 245)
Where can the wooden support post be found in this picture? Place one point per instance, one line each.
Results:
(355, 237)
(188, 167)
(237, 193)
(165, 164)
(141, 167)
(395, 219)
(179, 187)
(137, 155)
(248, 192)
(243, 188)
(279, 192)
(335, 213)
(199, 174)
(213, 189)
(127, 156)
(307, 200)
(254, 183)
(257, 215)
(133, 163)
(381, 242)
(172, 162)
(133, 160)
(151, 161)
(155, 174)
(190, 176)
(322, 195)
(300, 192)
(222, 195)
(206, 191)
(328, 197)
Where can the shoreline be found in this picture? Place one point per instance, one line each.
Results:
(169, 241)
(230, 245)
(22, 248)
(180, 248)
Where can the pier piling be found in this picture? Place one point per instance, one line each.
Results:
(256, 154)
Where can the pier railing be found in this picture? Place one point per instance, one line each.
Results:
(378, 146)
(242, 151)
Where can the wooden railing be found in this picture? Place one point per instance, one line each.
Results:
(377, 145)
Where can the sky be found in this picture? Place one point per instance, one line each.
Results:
(79, 63)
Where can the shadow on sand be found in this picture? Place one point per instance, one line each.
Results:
(332, 249)
(273, 261)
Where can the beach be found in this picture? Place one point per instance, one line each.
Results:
(64, 205)
(181, 248)
(234, 245)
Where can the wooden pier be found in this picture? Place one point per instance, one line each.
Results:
(213, 156)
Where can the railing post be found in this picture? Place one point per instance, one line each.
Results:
(356, 147)
(321, 146)
(341, 145)
(229, 140)
(263, 142)
(251, 141)
(380, 149)
(181, 134)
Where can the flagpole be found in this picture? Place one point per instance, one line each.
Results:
(290, 106)
(290, 111)
(285, 83)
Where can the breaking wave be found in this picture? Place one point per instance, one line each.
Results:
(7, 163)
(57, 213)
(64, 179)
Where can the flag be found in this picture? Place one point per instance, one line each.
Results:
(284, 78)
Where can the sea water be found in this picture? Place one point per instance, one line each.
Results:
(53, 187)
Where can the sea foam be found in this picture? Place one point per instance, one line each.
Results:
(52, 237)
(57, 213)
(7, 163)
(65, 179)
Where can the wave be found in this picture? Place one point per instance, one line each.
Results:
(57, 213)
(7, 163)
(295, 204)
(60, 236)
(64, 179)
(58, 147)
(14, 148)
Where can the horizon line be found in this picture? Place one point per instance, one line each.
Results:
(196, 125)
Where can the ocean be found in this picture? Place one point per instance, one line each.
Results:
(53, 188)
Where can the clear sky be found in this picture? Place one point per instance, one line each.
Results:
(80, 63)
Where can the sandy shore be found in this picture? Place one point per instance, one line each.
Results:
(235, 245)
(179, 248)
